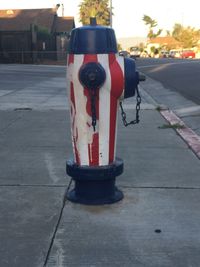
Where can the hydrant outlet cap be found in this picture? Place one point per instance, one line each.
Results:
(92, 75)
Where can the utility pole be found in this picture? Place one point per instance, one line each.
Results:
(111, 22)
(62, 10)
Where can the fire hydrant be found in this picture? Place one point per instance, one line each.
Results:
(97, 79)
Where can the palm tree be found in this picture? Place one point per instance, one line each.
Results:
(152, 24)
(97, 8)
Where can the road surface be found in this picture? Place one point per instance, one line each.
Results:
(180, 75)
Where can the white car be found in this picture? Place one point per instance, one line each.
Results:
(134, 52)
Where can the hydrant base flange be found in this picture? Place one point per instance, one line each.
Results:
(95, 185)
(88, 200)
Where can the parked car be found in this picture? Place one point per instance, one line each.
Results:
(175, 53)
(134, 52)
(164, 54)
(188, 54)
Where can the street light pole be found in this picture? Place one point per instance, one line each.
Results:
(111, 14)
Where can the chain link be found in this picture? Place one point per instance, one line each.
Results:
(123, 113)
(137, 118)
(93, 108)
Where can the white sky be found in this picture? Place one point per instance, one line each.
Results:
(127, 19)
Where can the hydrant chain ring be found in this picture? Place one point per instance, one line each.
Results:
(93, 108)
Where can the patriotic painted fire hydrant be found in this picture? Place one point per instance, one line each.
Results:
(97, 79)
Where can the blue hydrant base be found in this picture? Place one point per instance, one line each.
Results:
(117, 196)
(95, 185)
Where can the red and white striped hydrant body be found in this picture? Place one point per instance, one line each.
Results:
(95, 148)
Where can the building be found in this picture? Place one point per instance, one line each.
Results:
(165, 43)
(33, 35)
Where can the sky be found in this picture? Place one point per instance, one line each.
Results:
(127, 18)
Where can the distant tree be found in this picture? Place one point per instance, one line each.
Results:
(119, 46)
(187, 36)
(177, 31)
(141, 47)
(152, 24)
(94, 8)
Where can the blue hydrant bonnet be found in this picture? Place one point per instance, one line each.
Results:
(93, 39)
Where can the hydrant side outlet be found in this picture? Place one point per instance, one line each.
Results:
(131, 77)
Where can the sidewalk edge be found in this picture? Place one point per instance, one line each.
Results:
(186, 133)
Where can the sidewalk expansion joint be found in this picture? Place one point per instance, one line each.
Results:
(33, 185)
(122, 186)
(160, 187)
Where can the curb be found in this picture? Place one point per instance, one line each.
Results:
(186, 133)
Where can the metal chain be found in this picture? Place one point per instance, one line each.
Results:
(123, 113)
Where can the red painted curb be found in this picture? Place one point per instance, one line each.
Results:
(186, 133)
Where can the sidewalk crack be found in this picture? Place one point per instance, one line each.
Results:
(55, 231)
(58, 223)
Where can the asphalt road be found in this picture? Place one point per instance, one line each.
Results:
(180, 75)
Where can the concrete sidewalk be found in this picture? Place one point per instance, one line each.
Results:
(156, 224)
